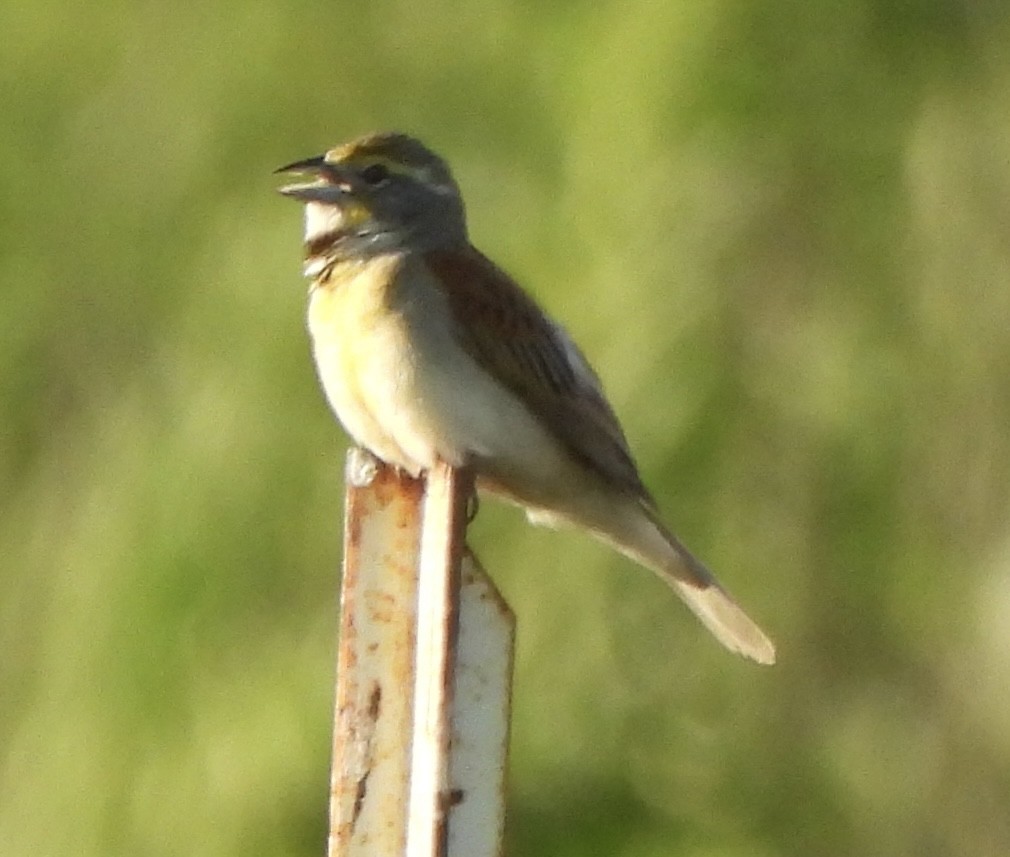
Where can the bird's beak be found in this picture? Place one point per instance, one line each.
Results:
(329, 186)
(309, 165)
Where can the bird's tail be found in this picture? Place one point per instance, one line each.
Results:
(724, 618)
(661, 551)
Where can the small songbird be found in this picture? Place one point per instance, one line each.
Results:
(429, 352)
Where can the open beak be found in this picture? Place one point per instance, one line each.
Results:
(329, 186)
(309, 165)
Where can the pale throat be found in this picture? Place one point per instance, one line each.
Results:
(323, 223)
(322, 219)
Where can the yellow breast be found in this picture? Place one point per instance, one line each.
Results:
(362, 351)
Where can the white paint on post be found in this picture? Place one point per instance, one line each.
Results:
(444, 523)
(482, 702)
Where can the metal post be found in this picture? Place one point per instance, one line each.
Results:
(370, 780)
(423, 675)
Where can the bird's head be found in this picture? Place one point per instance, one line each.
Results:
(379, 193)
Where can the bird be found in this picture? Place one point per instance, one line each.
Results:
(428, 352)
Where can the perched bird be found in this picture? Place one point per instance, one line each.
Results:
(428, 351)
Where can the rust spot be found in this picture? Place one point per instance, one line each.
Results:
(359, 797)
(410, 510)
(375, 702)
(390, 484)
(453, 797)
(441, 835)
(354, 531)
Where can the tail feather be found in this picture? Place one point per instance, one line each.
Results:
(661, 551)
(634, 529)
(724, 618)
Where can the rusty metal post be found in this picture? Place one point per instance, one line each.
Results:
(423, 675)
(373, 717)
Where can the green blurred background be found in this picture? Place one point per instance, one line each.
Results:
(782, 233)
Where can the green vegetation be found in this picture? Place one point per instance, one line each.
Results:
(781, 233)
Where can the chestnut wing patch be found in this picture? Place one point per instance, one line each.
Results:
(502, 328)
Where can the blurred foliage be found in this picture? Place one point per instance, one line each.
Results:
(781, 231)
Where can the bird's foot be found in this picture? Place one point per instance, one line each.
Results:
(362, 467)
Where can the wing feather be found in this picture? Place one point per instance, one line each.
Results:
(505, 331)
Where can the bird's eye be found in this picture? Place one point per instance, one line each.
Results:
(375, 174)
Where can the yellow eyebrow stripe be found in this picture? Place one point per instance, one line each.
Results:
(359, 159)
